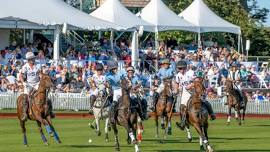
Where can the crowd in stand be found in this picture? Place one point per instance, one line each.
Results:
(213, 62)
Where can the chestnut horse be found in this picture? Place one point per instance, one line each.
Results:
(233, 100)
(124, 114)
(164, 110)
(38, 109)
(197, 115)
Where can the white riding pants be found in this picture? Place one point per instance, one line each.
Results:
(117, 94)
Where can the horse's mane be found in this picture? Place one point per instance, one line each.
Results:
(197, 95)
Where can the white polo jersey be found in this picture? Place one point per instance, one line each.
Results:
(183, 80)
(99, 81)
(32, 74)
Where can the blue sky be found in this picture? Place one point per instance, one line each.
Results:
(266, 4)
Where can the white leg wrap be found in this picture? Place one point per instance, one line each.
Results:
(131, 135)
(137, 148)
(201, 141)
(229, 119)
(188, 133)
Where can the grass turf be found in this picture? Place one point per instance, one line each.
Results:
(253, 136)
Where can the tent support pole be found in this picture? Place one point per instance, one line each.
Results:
(56, 44)
(134, 49)
(156, 46)
(99, 35)
(24, 36)
(31, 39)
(239, 41)
(199, 39)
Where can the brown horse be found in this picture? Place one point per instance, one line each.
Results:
(124, 114)
(233, 101)
(164, 110)
(38, 109)
(197, 115)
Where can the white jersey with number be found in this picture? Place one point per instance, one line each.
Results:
(183, 80)
(32, 74)
(99, 83)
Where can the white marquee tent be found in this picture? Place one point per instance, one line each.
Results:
(206, 20)
(163, 19)
(113, 11)
(48, 12)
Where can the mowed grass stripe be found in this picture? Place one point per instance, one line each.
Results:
(253, 136)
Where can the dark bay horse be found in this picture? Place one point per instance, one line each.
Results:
(233, 100)
(38, 109)
(164, 110)
(124, 114)
(197, 115)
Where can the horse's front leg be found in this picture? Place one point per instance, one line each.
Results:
(165, 130)
(189, 136)
(97, 126)
(22, 124)
(41, 133)
(106, 130)
(51, 128)
(156, 121)
(229, 114)
(239, 116)
(117, 146)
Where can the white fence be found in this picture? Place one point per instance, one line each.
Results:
(75, 101)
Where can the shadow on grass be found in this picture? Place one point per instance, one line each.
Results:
(166, 141)
(262, 125)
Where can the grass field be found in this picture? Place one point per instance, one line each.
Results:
(253, 136)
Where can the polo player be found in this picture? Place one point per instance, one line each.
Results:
(31, 73)
(135, 97)
(98, 83)
(114, 79)
(165, 73)
(185, 85)
(234, 76)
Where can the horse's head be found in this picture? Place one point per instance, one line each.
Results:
(45, 81)
(126, 84)
(228, 85)
(198, 85)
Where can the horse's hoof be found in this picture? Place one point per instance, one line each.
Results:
(156, 136)
(98, 133)
(228, 123)
(162, 126)
(106, 140)
(117, 149)
(201, 148)
(189, 139)
(162, 141)
(46, 143)
(169, 132)
(93, 127)
(26, 146)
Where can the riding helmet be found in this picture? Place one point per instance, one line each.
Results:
(99, 67)
(130, 69)
(181, 64)
(165, 61)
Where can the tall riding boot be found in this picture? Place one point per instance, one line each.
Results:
(24, 109)
(210, 110)
(183, 117)
(92, 101)
(154, 103)
(241, 98)
(51, 113)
